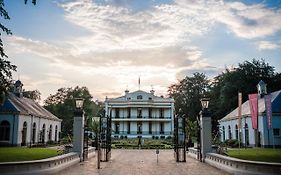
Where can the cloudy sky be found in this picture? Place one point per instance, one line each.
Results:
(107, 44)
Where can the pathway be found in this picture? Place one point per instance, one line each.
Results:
(142, 162)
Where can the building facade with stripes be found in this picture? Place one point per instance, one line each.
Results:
(141, 114)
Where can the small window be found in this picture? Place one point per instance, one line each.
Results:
(276, 131)
(149, 98)
(139, 97)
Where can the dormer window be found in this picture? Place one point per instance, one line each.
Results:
(149, 98)
(139, 97)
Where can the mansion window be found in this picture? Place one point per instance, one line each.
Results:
(117, 127)
(161, 111)
(129, 113)
(128, 127)
(161, 128)
(139, 128)
(150, 128)
(117, 115)
(139, 113)
(149, 112)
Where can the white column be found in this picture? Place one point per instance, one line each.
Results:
(78, 134)
(206, 135)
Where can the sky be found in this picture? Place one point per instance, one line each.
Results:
(106, 45)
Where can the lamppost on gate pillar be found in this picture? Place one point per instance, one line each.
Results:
(78, 128)
(205, 129)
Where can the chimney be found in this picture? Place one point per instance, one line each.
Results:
(262, 90)
(126, 92)
(18, 88)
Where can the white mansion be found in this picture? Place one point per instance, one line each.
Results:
(24, 122)
(141, 114)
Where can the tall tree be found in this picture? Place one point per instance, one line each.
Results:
(62, 104)
(187, 94)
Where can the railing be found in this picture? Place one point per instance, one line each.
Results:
(44, 166)
(142, 133)
(239, 166)
(140, 117)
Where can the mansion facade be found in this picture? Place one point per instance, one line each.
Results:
(141, 114)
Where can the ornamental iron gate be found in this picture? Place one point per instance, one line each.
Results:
(179, 139)
(105, 138)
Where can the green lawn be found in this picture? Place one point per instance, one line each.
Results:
(22, 154)
(257, 154)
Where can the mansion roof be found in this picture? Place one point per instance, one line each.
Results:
(139, 96)
(275, 103)
(25, 106)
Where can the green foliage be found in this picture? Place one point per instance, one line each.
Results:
(34, 95)
(233, 143)
(191, 129)
(225, 87)
(62, 104)
(147, 144)
(257, 154)
(187, 94)
(14, 154)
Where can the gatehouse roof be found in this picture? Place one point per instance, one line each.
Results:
(275, 103)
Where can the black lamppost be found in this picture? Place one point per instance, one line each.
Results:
(204, 112)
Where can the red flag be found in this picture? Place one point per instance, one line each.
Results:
(253, 103)
(267, 102)
(239, 109)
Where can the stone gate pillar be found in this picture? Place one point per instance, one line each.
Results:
(206, 133)
(78, 133)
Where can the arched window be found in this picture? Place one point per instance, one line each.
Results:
(236, 132)
(223, 133)
(246, 134)
(56, 133)
(43, 133)
(33, 132)
(24, 132)
(50, 132)
(5, 131)
(229, 132)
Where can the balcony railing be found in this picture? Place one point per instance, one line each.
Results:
(141, 133)
(140, 117)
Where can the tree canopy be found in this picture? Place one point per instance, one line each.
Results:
(34, 94)
(187, 94)
(225, 87)
(62, 104)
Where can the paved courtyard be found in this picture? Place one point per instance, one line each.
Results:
(142, 162)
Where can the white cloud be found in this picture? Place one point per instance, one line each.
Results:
(154, 42)
(268, 45)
